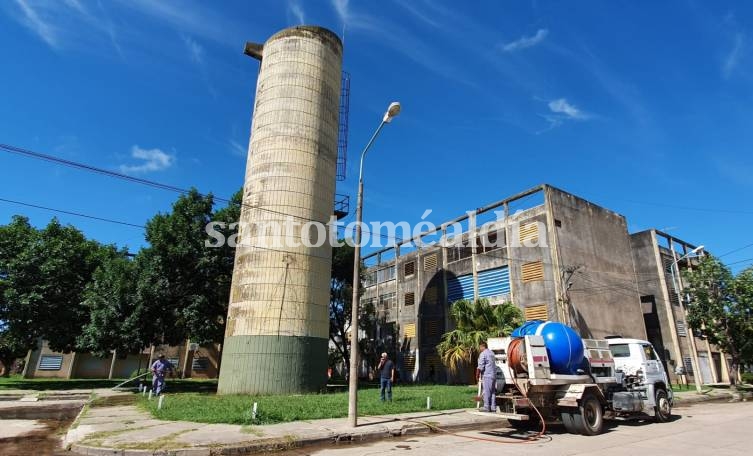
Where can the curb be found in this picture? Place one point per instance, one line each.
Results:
(695, 399)
(280, 444)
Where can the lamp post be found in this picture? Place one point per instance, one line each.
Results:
(677, 282)
(392, 111)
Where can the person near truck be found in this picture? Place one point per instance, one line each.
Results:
(486, 371)
(159, 368)
(386, 377)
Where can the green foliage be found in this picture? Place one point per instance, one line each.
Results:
(178, 288)
(43, 275)
(210, 408)
(747, 377)
(341, 297)
(116, 318)
(721, 307)
(475, 322)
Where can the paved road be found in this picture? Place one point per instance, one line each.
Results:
(710, 428)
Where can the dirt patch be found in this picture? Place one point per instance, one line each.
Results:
(114, 401)
(45, 441)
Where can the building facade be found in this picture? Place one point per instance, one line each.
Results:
(554, 255)
(190, 361)
(659, 260)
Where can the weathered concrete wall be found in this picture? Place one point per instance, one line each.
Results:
(33, 370)
(604, 297)
(89, 366)
(655, 299)
(277, 325)
(521, 252)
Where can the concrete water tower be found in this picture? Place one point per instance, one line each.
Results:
(278, 321)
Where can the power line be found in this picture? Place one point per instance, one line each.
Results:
(153, 184)
(686, 208)
(736, 250)
(77, 214)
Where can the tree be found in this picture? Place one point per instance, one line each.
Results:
(12, 347)
(340, 307)
(475, 321)
(184, 285)
(721, 308)
(116, 317)
(15, 340)
(44, 274)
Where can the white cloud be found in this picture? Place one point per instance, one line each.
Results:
(733, 58)
(562, 111)
(195, 50)
(341, 7)
(561, 106)
(32, 18)
(526, 41)
(153, 160)
(296, 9)
(238, 149)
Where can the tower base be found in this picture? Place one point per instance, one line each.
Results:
(273, 365)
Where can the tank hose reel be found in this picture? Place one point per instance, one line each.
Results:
(516, 356)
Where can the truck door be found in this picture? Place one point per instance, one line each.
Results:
(654, 367)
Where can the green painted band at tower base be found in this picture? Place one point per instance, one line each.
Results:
(273, 365)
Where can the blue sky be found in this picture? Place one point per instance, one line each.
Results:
(642, 107)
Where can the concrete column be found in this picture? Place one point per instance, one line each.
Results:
(71, 366)
(472, 243)
(277, 329)
(112, 363)
(667, 301)
(563, 313)
(186, 369)
(508, 253)
(27, 360)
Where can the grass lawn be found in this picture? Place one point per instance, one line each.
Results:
(236, 409)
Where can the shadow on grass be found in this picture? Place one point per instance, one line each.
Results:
(40, 384)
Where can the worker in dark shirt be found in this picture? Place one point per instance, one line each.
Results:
(386, 377)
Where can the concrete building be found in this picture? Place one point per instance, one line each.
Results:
(190, 361)
(659, 259)
(278, 321)
(556, 256)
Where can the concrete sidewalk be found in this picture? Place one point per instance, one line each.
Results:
(127, 431)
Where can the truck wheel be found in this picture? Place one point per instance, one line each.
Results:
(571, 424)
(663, 409)
(589, 419)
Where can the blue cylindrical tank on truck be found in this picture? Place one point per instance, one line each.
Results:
(563, 344)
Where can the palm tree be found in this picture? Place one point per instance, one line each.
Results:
(475, 321)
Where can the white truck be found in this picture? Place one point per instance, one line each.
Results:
(618, 379)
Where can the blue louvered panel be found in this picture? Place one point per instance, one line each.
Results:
(51, 362)
(494, 282)
(460, 287)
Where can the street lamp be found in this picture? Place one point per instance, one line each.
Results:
(392, 111)
(677, 282)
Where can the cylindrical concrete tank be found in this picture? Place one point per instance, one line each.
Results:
(564, 345)
(278, 322)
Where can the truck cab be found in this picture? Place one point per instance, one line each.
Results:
(633, 355)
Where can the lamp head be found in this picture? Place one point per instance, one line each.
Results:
(697, 249)
(392, 111)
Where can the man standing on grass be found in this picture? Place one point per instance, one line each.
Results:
(386, 377)
(159, 369)
(487, 371)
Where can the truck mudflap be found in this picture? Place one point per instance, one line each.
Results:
(575, 393)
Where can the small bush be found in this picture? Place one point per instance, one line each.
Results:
(747, 377)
